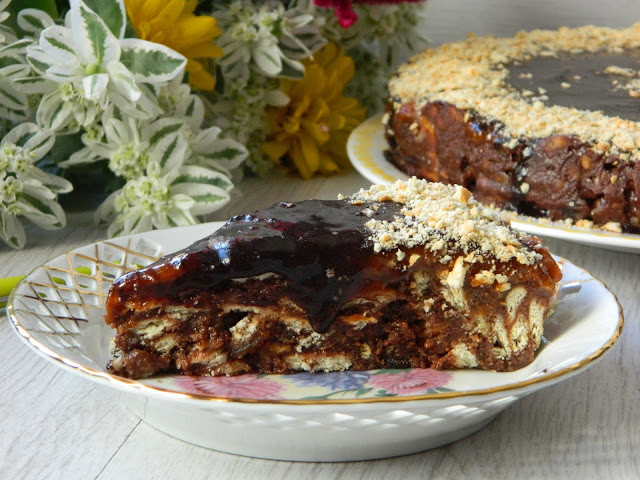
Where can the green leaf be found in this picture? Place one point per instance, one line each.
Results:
(112, 13)
(150, 62)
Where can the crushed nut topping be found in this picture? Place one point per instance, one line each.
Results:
(472, 74)
(443, 218)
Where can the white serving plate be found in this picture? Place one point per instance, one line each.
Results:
(366, 147)
(58, 311)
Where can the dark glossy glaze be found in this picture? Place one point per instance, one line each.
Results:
(322, 248)
(587, 86)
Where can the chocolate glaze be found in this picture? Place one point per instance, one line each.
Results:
(592, 89)
(322, 248)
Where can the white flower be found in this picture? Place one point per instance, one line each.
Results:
(131, 145)
(219, 154)
(164, 198)
(392, 30)
(266, 37)
(83, 67)
(14, 104)
(241, 115)
(25, 190)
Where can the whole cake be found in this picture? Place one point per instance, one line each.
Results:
(544, 123)
(415, 274)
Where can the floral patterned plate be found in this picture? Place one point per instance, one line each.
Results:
(366, 147)
(58, 311)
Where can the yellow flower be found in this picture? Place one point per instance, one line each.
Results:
(172, 23)
(312, 129)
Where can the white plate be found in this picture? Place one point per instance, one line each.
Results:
(58, 311)
(366, 148)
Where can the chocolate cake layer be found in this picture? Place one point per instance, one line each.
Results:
(412, 275)
(544, 123)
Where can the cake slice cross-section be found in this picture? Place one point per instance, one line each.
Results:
(411, 275)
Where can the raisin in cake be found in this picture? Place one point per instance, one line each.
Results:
(545, 123)
(415, 274)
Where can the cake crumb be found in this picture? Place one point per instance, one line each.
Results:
(472, 74)
(444, 218)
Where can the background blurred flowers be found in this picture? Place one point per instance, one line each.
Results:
(164, 104)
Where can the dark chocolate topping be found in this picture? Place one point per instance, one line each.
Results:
(583, 81)
(322, 248)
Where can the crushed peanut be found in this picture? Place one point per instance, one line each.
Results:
(443, 218)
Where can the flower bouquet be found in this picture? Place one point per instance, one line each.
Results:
(159, 106)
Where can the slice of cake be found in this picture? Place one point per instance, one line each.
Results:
(546, 123)
(409, 275)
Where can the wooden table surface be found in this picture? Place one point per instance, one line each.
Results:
(54, 424)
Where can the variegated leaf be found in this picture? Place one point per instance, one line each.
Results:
(52, 182)
(95, 86)
(194, 174)
(53, 112)
(112, 12)
(268, 58)
(116, 228)
(151, 62)
(11, 231)
(13, 100)
(179, 217)
(33, 21)
(162, 128)
(143, 109)
(18, 48)
(61, 73)
(207, 198)
(107, 209)
(83, 156)
(116, 131)
(34, 188)
(40, 143)
(170, 152)
(45, 213)
(20, 134)
(12, 67)
(123, 81)
(95, 43)
(292, 69)
(33, 85)
(57, 43)
(13, 115)
(38, 60)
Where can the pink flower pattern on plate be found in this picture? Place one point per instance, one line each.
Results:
(241, 386)
(408, 382)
